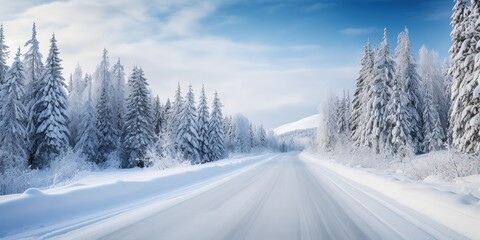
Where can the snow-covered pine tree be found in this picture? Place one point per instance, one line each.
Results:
(262, 136)
(327, 132)
(229, 129)
(462, 63)
(359, 98)
(158, 115)
(343, 119)
(188, 129)
(3, 56)
(470, 116)
(75, 104)
(432, 127)
(203, 128)
(216, 134)
(13, 136)
(407, 77)
(378, 96)
(242, 134)
(119, 94)
(163, 135)
(107, 134)
(87, 133)
(138, 131)
(49, 113)
(432, 74)
(173, 122)
(251, 135)
(103, 78)
(32, 61)
(403, 109)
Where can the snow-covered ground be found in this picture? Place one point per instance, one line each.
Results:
(272, 196)
(310, 122)
(453, 204)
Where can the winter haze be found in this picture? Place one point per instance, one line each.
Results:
(278, 57)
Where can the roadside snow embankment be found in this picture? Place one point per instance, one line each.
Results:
(450, 207)
(108, 193)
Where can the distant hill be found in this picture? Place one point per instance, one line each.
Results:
(301, 133)
(302, 124)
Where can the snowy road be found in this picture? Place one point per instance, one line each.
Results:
(283, 198)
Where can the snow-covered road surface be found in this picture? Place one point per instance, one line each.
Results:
(282, 197)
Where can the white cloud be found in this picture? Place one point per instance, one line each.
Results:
(165, 38)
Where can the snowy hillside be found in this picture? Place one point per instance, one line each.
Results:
(302, 124)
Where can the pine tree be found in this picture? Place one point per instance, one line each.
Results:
(432, 129)
(242, 134)
(470, 116)
(107, 133)
(173, 121)
(138, 131)
(187, 137)
(462, 64)
(262, 136)
(229, 129)
(251, 135)
(359, 97)
(403, 109)
(32, 60)
(343, 119)
(75, 104)
(216, 132)
(49, 135)
(3, 56)
(378, 97)
(87, 132)
(13, 122)
(432, 74)
(158, 117)
(203, 128)
(327, 133)
(118, 101)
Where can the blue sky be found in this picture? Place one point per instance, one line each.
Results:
(273, 61)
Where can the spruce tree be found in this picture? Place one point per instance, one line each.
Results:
(173, 122)
(470, 117)
(216, 134)
(13, 135)
(138, 131)
(262, 136)
(87, 132)
(118, 99)
(462, 63)
(3, 56)
(75, 104)
(49, 134)
(32, 60)
(359, 97)
(187, 137)
(158, 118)
(379, 94)
(203, 127)
(404, 107)
(432, 127)
(107, 133)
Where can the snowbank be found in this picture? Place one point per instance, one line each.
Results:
(110, 192)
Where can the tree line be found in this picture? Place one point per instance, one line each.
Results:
(104, 115)
(400, 107)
